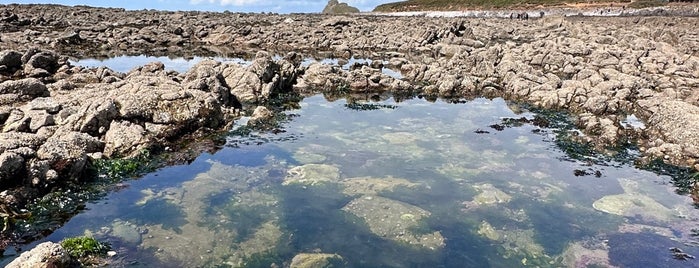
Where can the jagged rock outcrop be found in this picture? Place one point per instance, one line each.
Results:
(56, 124)
(335, 7)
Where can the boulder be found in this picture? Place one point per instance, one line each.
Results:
(316, 260)
(261, 117)
(67, 152)
(10, 165)
(395, 220)
(44, 255)
(10, 59)
(26, 89)
(124, 138)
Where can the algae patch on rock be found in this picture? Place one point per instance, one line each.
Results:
(395, 220)
(370, 185)
(313, 260)
(312, 174)
(630, 205)
(515, 242)
(488, 195)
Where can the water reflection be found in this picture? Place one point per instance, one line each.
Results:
(406, 184)
(179, 64)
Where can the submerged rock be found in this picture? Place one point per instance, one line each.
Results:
(516, 242)
(630, 205)
(395, 220)
(312, 174)
(580, 255)
(373, 186)
(315, 260)
(488, 195)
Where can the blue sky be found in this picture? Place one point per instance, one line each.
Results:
(304, 6)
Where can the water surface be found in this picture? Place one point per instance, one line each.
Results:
(395, 184)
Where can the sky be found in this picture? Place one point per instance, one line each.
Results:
(290, 6)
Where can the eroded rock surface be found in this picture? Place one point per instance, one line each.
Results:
(44, 255)
(394, 220)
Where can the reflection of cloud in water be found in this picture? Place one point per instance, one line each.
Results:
(126, 63)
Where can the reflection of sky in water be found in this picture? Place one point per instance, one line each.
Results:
(126, 63)
(500, 198)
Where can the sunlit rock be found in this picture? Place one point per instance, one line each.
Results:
(315, 260)
(372, 186)
(487, 231)
(312, 174)
(307, 155)
(399, 137)
(579, 254)
(44, 255)
(516, 242)
(630, 205)
(126, 232)
(488, 195)
(395, 220)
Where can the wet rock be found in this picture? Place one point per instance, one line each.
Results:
(488, 195)
(126, 232)
(10, 165)
(514, 241)
(373, 186)
(394, 220)
(631, 205)
(315, 260)
(581, 255)
(312, 174)
(44, 255)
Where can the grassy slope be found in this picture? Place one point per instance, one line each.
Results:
(416, 5)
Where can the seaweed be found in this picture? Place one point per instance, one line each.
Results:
(84, 246)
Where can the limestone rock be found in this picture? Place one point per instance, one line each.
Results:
(44, 255)
(10, 165)
(27, 89)
(261, 117)
(394, 220)
(373, 186)
(124, 138)
(312, 174)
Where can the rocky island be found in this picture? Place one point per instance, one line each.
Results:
(58, 119)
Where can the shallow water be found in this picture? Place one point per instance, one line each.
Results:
(179, 64)
(387, 184)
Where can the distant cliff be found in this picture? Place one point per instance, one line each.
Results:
(335, 7)
(451, 5)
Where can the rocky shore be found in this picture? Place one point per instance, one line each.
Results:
(56, 118)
